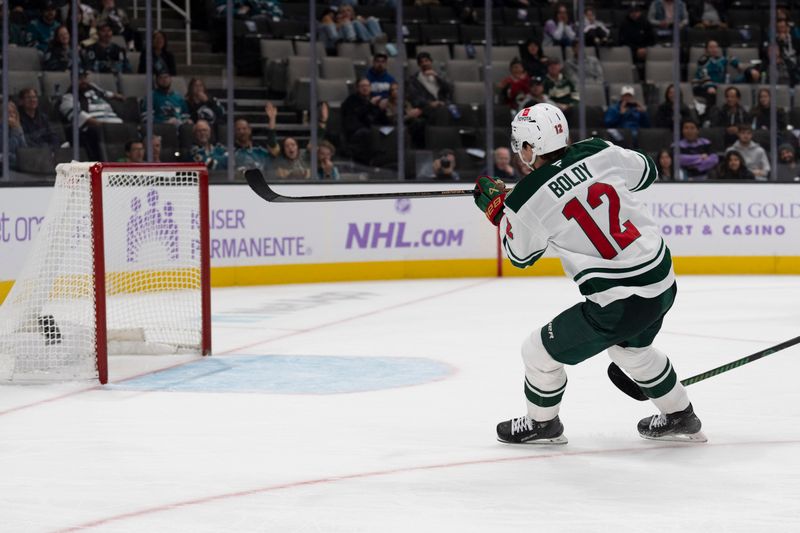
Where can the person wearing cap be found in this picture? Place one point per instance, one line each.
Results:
(105, 55)
(429, 89)
(41, 30)
(536, 95)
(379, 78)
(627, 112)
(94, 109)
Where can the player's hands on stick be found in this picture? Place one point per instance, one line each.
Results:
(490, 197)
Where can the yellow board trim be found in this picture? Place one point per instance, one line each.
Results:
(387, 270)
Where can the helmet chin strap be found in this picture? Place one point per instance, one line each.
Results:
(533, 160)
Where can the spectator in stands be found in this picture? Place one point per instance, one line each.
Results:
(94, 109)
(104, 55)
(360, 112)
(18, 26)
(58, 56)
(269, 9)
(169, 107)
(326, 169)
(712, 68)
(661, 15)
(120, 23)
(42, 30)
(342, 24)
(367, 29)
(559, 31)
(755, 157)
(291, 164)
(789, 60)
(732, 167)
(412, 116)
(533, 59)
(380, 80)
(430, 90)
(87, 23)
(627, 112)
(636, 33)
(16, 137)
(592, 68)
(760, 114)
(442, 168)
(202, 106)
(730, 115)
(163, 60)
(663, 118)
(503, 169)
(704, 15)
(213, 156)
(697, 157)
(666, 170)
(788, 169)
(595, 32)
(134, 152)
(155, 143)
(559, 88)
(515, 87)
(536, 95)
(250, 155)
(34, 122)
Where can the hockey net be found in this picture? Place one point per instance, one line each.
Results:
(120, 265)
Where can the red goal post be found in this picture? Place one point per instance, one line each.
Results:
(121, 265)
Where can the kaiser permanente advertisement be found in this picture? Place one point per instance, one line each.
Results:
(712, 228)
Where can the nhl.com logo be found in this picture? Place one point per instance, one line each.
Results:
(154, 223)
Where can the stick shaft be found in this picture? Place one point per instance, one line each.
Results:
(259, 185)
(624, 383)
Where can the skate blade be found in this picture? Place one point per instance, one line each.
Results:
(698, 437)
(561, 439)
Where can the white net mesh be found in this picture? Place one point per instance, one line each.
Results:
(153, 279)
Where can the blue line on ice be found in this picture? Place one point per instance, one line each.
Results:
(291, 374)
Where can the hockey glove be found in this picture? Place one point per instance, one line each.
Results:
(490, 195)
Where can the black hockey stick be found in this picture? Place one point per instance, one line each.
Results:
(260, 186)
(624, 383)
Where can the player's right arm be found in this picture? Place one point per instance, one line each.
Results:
(637, 169)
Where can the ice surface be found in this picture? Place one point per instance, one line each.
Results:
(396, 433)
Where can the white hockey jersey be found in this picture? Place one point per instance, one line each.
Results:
(583, 207)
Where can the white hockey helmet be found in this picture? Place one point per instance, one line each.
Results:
(543, 126)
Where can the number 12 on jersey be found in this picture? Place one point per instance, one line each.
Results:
(574, 210)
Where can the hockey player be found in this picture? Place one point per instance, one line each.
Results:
(579, 201)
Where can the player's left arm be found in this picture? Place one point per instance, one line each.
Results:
(637, 168)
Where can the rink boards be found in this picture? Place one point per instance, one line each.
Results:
(710, 228)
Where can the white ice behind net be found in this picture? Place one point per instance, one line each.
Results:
(152, 263)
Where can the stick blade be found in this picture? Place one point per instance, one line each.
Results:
(624, 383)
(255, 179)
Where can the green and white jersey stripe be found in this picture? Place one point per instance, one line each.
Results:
(582, 208)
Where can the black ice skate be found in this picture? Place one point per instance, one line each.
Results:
(683, 426)
(523, 430)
